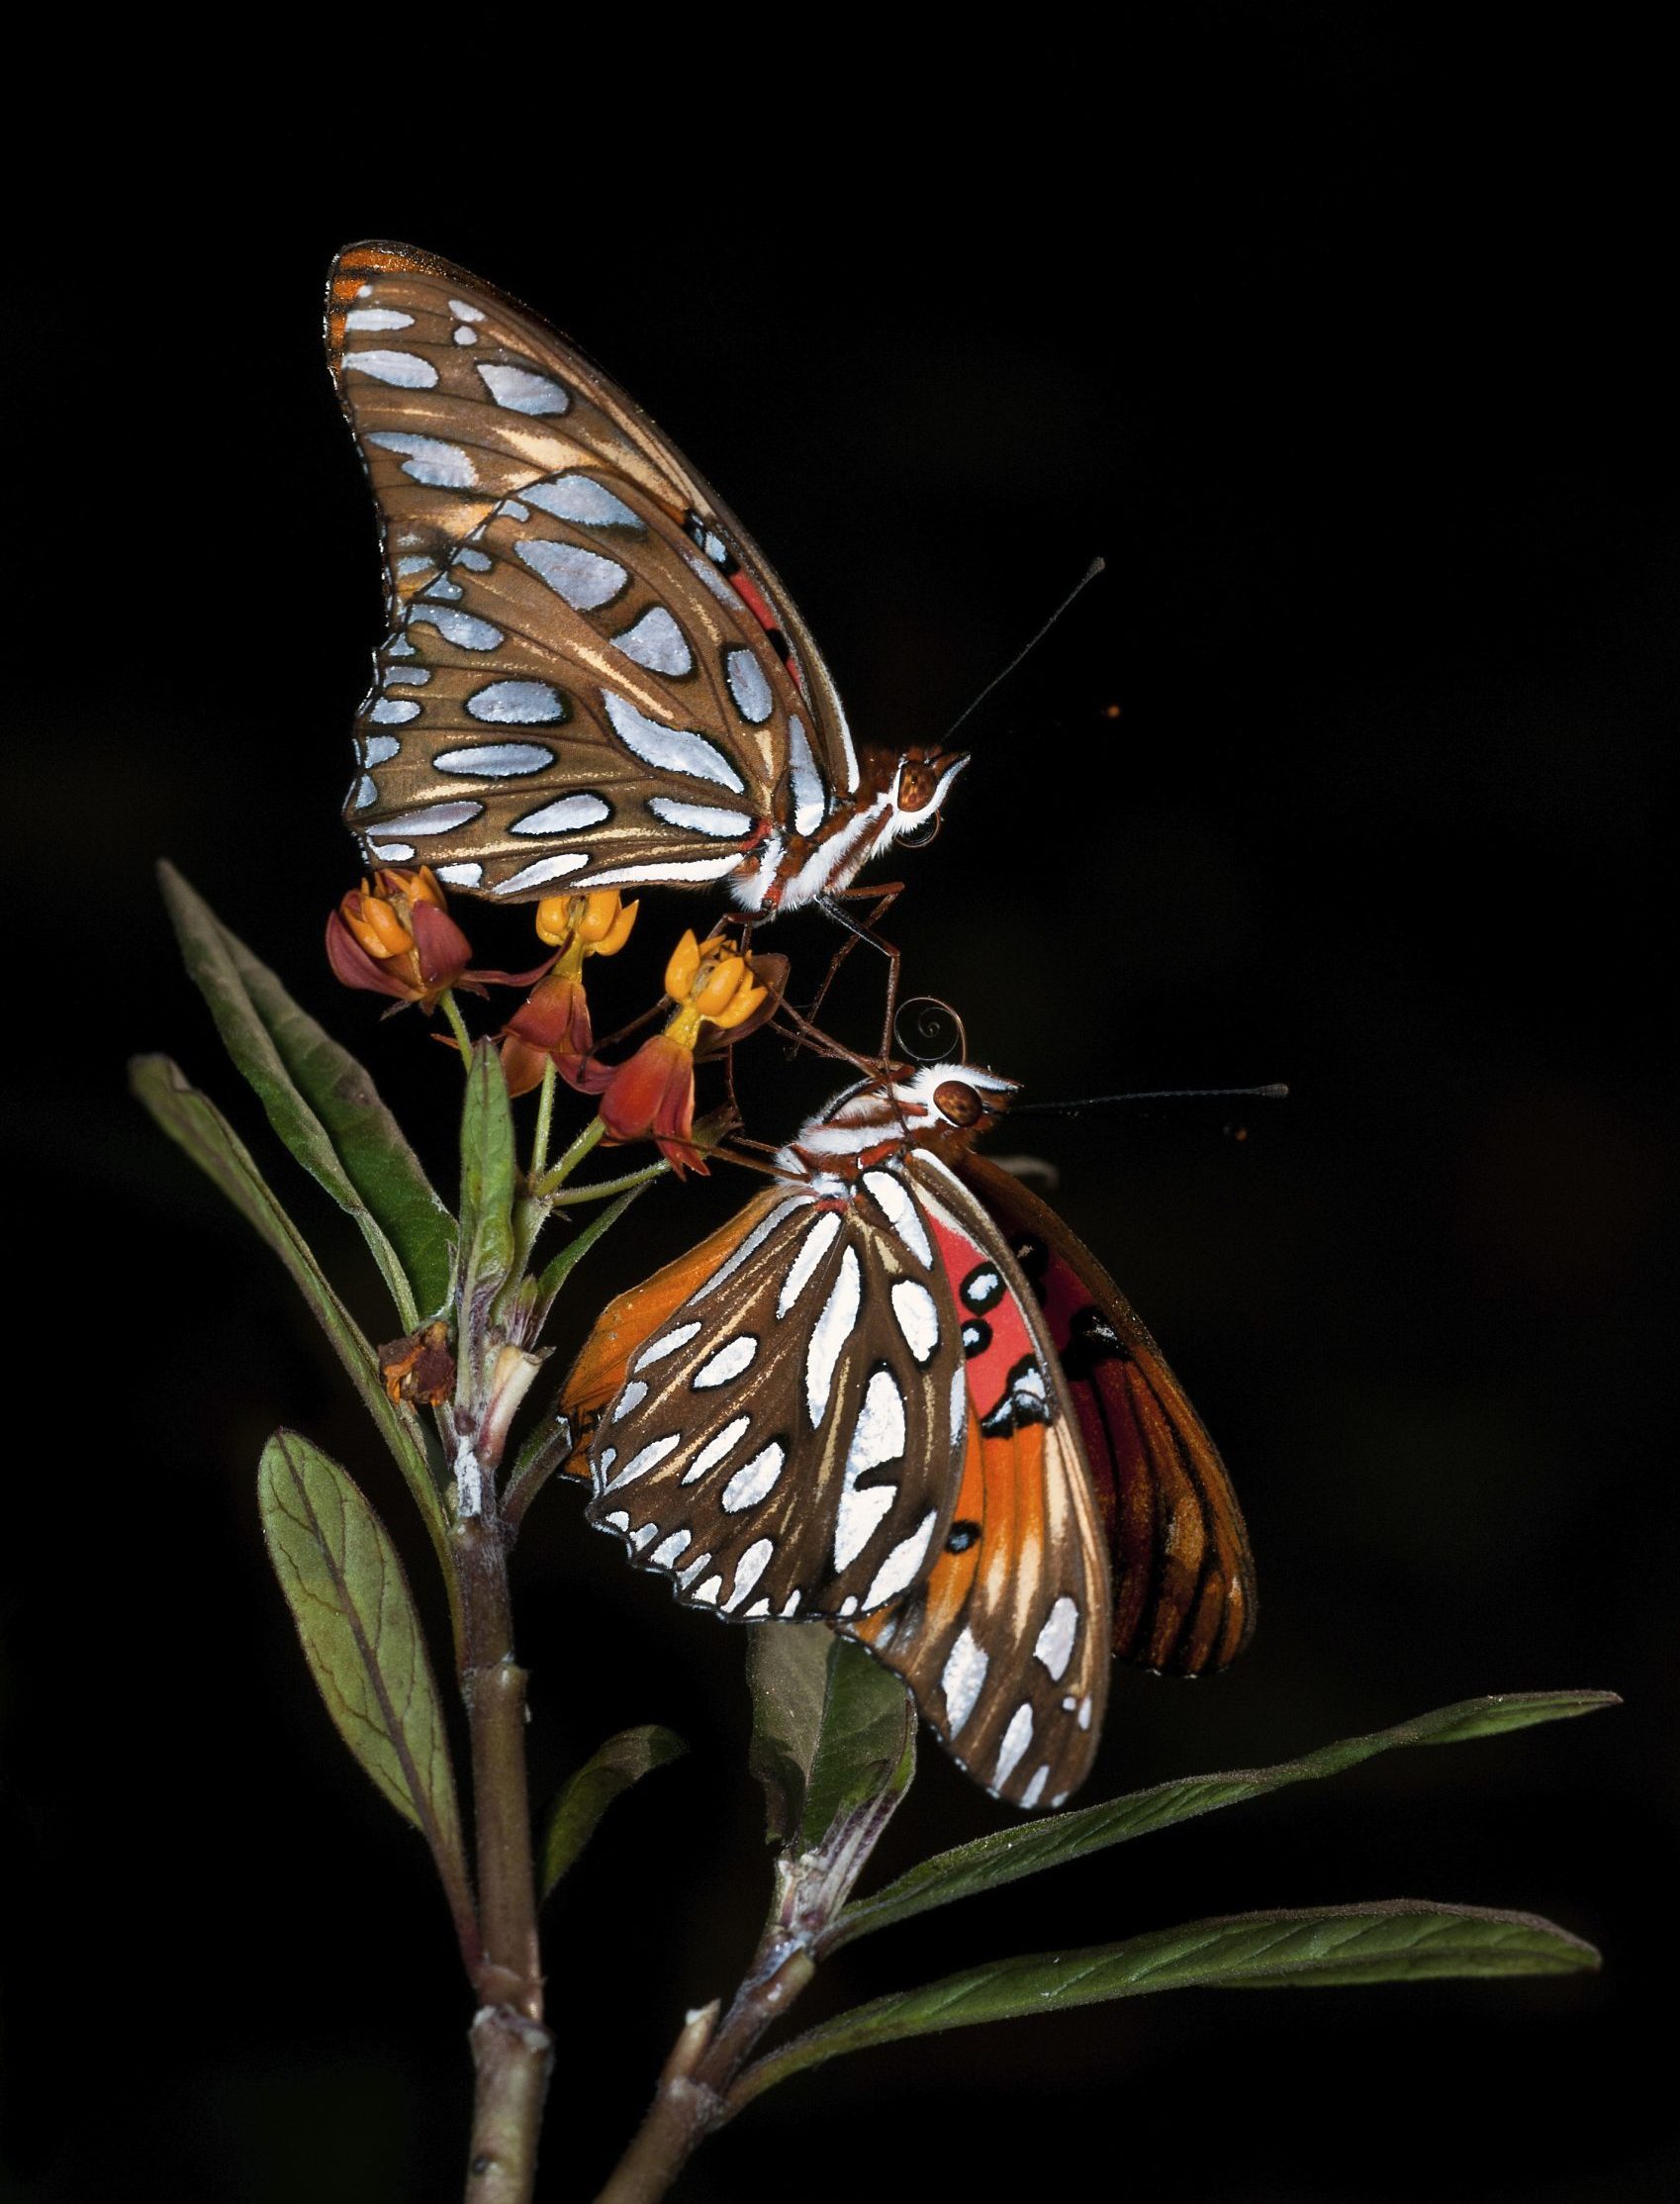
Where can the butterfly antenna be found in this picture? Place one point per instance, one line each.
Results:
(1276, 1091)
(1026, 651)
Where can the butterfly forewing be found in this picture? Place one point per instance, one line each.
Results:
(1005, 1642)
(789, 1437)
(592, 673)
(1183, 1573)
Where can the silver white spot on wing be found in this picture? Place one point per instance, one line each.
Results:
(466, 875)
(366, 794)
(435, 819)
(405, 370)
(715, 1448)
(1055, 1645)
(544, 870)
(574, 497)
(631, 1398)
(673, 749)
(811, 798)
(708, 1594)
(522, 704)
(702, 818)
(566, 815)
(463, 312)
(748, 686)
(899, 1208)
(730, 1360)
(963, 1679)
(647, 1458)
(714, 580)
(465, 337)
(462, 629)
(667, 1344)
(656, 643)
(902, 1566)
(755, 1481)
(390, 853)
(683, 868)
(1035, 1789)
(1016, 1737)
(583, 578)
(685, 1576)
(748, 1570)
(376, 318)
(428, 460)
(518, 391)
(812, 1248)
(748, 1248)
(670, 1549)
(393, 712)
(495, 761)
(917, 1316)
(830, 1333)
(878, 1437)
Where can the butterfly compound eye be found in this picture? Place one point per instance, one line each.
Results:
(958, 1102)
(916, 785)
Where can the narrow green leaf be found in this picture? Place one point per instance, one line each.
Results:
(562, 1265)
(362, 1638)
(1030, 1847)
(867, 1745)
(586, 1795)
(487, 1177)
(1402, 1940)
(193, 1120)
(322, 1104)
(788, 1675)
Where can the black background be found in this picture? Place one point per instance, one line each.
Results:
(1339, 332)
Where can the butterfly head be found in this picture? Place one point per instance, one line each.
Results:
(912, 784)
(952, 1102)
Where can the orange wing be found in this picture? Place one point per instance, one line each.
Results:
(601, 1369)
(1184, 1575)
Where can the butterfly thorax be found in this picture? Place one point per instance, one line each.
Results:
(898, 793)
(940, 1106)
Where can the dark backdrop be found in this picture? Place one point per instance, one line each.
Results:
(1337, 334)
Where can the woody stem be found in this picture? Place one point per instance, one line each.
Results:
(512, 2052)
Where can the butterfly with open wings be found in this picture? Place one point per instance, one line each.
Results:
(897, 1393)
(592, 678)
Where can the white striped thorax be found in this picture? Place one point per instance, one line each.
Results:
(934, 1103)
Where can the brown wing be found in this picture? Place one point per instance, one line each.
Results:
(592, 673)
(1183, 1573)
(1005, 1642)
(789, 1436)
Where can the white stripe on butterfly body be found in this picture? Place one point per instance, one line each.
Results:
(552, 560)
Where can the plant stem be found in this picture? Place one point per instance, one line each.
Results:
(544, 1119)
(512, 2053)
(463, 1039)
(542, 1187)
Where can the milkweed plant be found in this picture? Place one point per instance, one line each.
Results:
(462, 1397)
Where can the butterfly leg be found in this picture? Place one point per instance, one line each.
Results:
(886, 896)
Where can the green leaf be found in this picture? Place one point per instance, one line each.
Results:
(1403, 1940)
(194, 1121)
(586, 1795)
(487, 1178)
(788, 1675)
(867, 1746)
(1030, 1847)
(322, 1104)
(362, 1638)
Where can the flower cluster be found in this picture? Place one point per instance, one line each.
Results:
(396, 938)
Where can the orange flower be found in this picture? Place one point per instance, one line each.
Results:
(652, 1096)
(555, 1021)
(395, 939)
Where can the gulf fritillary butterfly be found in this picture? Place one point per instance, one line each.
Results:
(593, 675)
(896, 1392)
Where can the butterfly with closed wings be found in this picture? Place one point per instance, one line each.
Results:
(897, 1393)
(592, 678)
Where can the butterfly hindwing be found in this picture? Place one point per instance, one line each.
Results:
(1005, 1641)
(788, 1438)
(592, 673)
(1183, 1573)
